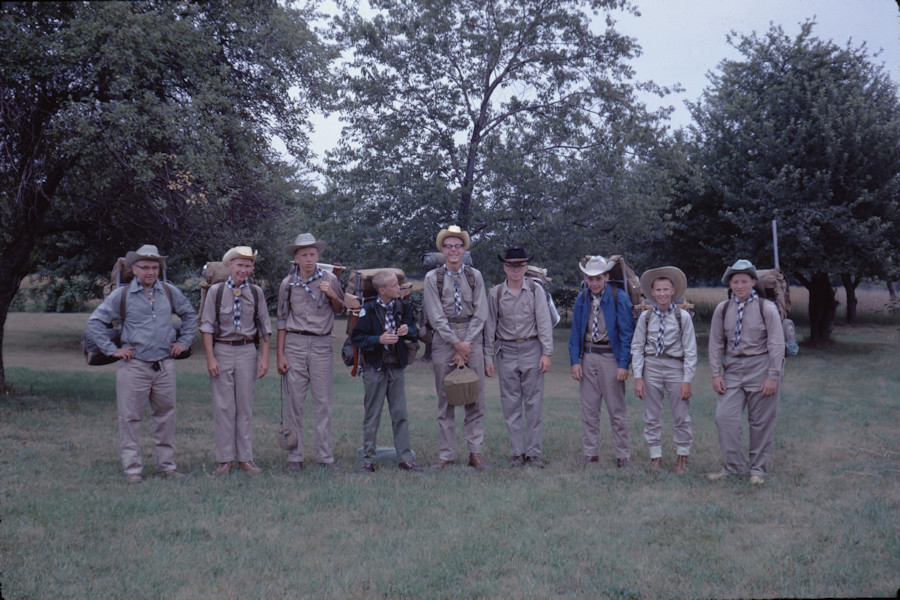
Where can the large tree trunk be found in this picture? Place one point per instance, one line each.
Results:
(850, 285)
(822, 307)
(891, 291)
(13, 268)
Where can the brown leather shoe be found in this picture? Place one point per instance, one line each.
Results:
(366, 467)
(442, 464)
(410, 466)
(476, 461)
(536, 461)
(681, 463)
(295, 466)
(623, 463)
(223, 468)
(134, 478)
(655, 463)
(517, 461)
(250, 467)
(587, 459)
(173, 474)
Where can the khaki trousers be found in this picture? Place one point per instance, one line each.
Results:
(311, 370)
(473, 426)
(662, 379)
(232, 396)
(599, 385)
(386, 383)
(138, 384)
(521, 395)
(744, 376)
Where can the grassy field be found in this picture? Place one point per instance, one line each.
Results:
(826, 524)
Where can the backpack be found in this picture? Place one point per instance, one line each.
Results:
(771, 284)
(359, 290)
(121, 276)
(218, 272)
(538, 277)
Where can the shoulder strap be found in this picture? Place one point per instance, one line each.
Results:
(470, 276)
(439, 277)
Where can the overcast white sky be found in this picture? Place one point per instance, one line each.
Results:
(683, 40)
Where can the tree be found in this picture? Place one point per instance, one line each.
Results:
(475, 112)
(125, 123)
(804, 132)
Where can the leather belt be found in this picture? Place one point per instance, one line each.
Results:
(520, 340)
(243, 342)
(592, 349)
(309, 333)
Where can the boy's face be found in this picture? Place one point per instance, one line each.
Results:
(515, 270)
(453, 249)
(241, 269)
(306, 258)
(391, 289)
(596, 283)
(662, 292)
(741, 285)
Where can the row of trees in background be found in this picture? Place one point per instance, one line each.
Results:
(127, 123)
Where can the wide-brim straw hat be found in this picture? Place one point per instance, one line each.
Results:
(452, 231)
(741, 266)
(240, 252)
(673, 274)
(304, 240)
(145, 252)
(595, 265)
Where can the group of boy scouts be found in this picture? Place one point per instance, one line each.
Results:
(511, 325)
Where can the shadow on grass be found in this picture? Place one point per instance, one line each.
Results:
(30, 389)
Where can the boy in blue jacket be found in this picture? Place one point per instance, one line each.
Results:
(600, 352)
(383, 324)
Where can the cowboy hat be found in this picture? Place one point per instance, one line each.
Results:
(515, 255)
(240, 252)
(673, 274)
(452, 231)
(304, 240)
(741, 266)
(595, 265)
(145, 252)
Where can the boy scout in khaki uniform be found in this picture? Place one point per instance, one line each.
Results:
(308, 300)
(664, 360)
(457, 313)
(146, 371)
(231, 332)
(747, 330)
(520, 329)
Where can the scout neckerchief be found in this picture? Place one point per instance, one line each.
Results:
(740, 316)
(457, 296)
(660, 345)
(595, 306)
(238, 291)
(297, 280)
(390, 324)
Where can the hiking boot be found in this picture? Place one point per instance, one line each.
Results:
(250, 467)
(655, 463)
(624, 463)
(223, 468)
(587, 459)
(536, 461)
(681, 463)
(476, 461)
(517, 461)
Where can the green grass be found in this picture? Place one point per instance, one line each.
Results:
(824, 525)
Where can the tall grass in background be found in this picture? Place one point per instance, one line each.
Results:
(825, 524)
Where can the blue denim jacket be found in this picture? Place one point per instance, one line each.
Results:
(619, 325)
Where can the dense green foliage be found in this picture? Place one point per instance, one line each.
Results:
(804, 132)
(127, 123)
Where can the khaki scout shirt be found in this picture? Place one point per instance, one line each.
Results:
(440, 310)
(307, 315)
(225, 330)
(757, 337)
(518, 316)
(678, 342)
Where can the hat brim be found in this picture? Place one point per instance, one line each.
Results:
(291, 249)
(233, 254)
(445, 233)
(609, 266)
(673, 274)
(514, 260)
(132, 257)
(729, 273)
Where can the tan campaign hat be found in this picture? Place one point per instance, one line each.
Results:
(673, 274)
(452, 231)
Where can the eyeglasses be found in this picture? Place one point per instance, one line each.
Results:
(453, 246)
